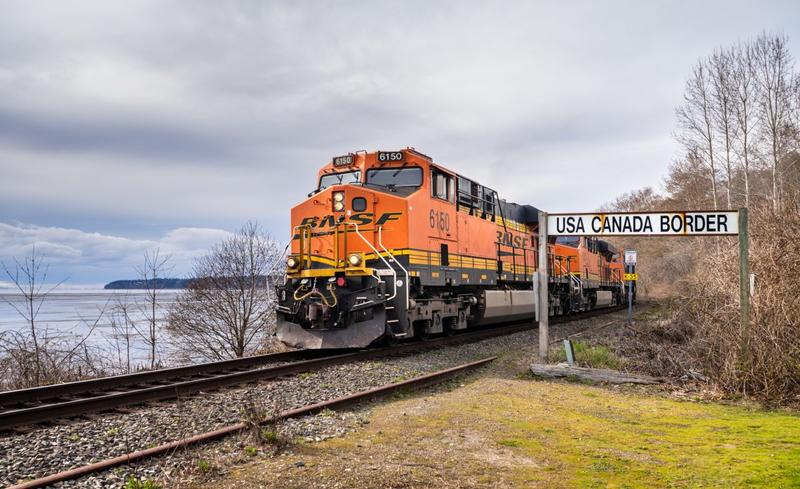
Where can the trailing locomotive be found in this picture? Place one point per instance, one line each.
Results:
(391, 245)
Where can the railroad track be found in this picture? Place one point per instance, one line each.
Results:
(34, 405)
(42, 404)
(370, 394)
(38, 405)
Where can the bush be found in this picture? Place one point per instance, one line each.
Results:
(261, 425)
(763, 361)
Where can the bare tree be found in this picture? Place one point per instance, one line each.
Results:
(122, 332)
(747, 93)
(696, 118)
(723, 96)
(229, 306)
(29, 276)
(773, 64)
(35, 355)
(152, 273)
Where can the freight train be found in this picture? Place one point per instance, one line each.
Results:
(391, 245)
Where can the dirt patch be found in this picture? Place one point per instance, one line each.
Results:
(500, 428)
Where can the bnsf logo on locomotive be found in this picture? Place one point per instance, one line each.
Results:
(506, 238)
(361, 218)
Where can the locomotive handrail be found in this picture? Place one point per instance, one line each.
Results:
(279, 261)
(301, 233)
(408, 287)
(378, 253)
(572, 276)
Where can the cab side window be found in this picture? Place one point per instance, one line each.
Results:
(442, 186)
(488, 201)
(591, 245)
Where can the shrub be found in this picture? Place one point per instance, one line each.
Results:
(261, 424)
(763, 361)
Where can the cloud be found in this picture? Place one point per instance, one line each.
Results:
(142, 117)
(80, 255)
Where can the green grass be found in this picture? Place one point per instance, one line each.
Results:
(270, 436)
(203, 466)
(327, 413)
(597, 356)
(605, 439)
(136, 483)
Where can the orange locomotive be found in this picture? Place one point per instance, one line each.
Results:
(392, 245)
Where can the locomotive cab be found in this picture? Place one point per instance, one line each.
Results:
(347, 284)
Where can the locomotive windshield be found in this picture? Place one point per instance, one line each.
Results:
(339, 179)
(572, 241)
(395, 177)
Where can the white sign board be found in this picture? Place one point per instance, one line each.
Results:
(630, 257)
(690, 223)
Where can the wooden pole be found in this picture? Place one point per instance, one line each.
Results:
(744, 284)
(543, 300)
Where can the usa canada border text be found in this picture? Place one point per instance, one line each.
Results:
(676, 223)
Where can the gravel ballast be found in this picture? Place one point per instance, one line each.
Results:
(52, 449)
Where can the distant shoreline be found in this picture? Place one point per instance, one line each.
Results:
(161, 283)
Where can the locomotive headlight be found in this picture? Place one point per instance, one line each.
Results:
(338, 201)
(354, 259)
(292, 262)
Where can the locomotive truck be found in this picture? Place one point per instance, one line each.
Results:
(391, 245)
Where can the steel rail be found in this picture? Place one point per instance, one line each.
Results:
(370, 394)
(52, 391)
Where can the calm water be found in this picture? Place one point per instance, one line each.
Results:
(70, 314)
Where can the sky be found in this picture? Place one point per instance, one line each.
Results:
(128, 126)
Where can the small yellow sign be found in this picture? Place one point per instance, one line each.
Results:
(631, 276)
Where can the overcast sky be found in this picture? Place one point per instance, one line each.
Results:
(127, 125)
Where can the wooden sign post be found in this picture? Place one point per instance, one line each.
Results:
(744, 284)
(543, 303)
